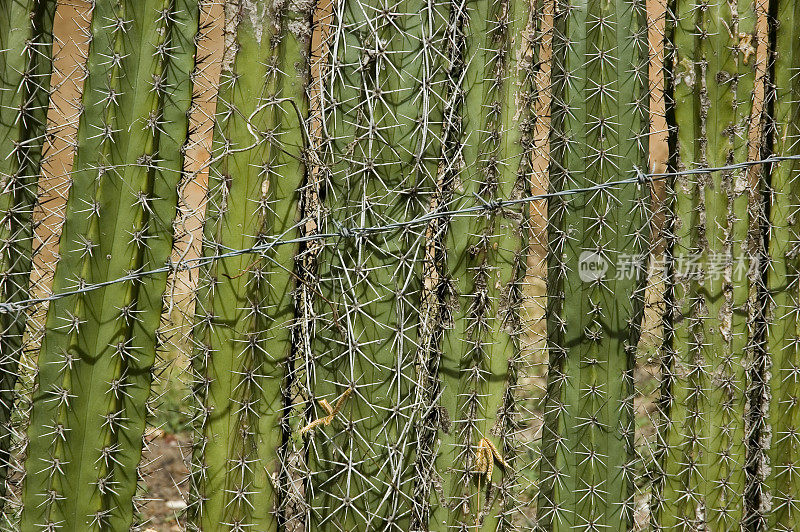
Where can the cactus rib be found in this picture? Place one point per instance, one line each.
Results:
(781, 488)
(483, 270)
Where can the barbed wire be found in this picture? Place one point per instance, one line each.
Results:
(640, 178)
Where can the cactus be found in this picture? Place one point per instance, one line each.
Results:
(599, 133)
(356, 349)
(381, 115)
(94, 368)
(245, 307)
(704, 481)
(483, 267)
(781, 488)
(25, 65)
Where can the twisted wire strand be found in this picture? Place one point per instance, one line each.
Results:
(355, 232)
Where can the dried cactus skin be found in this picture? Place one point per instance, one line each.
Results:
(94, 371)
(382, 116)
(246, 307)
(599, 134)
(781, 484)
(484, 268)
(704, 457)
(25, 66)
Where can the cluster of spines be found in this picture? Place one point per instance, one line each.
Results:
(245, 306)
(98, 348)
(702, 475)
(25, 65)
(600, 126)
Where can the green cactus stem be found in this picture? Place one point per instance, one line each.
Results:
(94, 368)
(484, 260)
(599, 133)
(245, 307)
(380, 147)
(781, 487)
(703, 482)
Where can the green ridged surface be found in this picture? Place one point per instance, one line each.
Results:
(703, 480)
(94, 368)
(246, 307)
(599, 127)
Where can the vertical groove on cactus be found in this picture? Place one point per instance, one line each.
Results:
(599, 133)
(296, 477)
(481, 263)
(705, 366)
(434, 311)
(381, 118)
(781, 488)
(760, 135)
(25, 64)
(94, 366)
(245, 306)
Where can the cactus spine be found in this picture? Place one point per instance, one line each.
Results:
(94, 367)
(484, 260)
(599, 134)
(703, 480)
(25, 65)
(780, 484)
(245, 307)
(381, 113)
